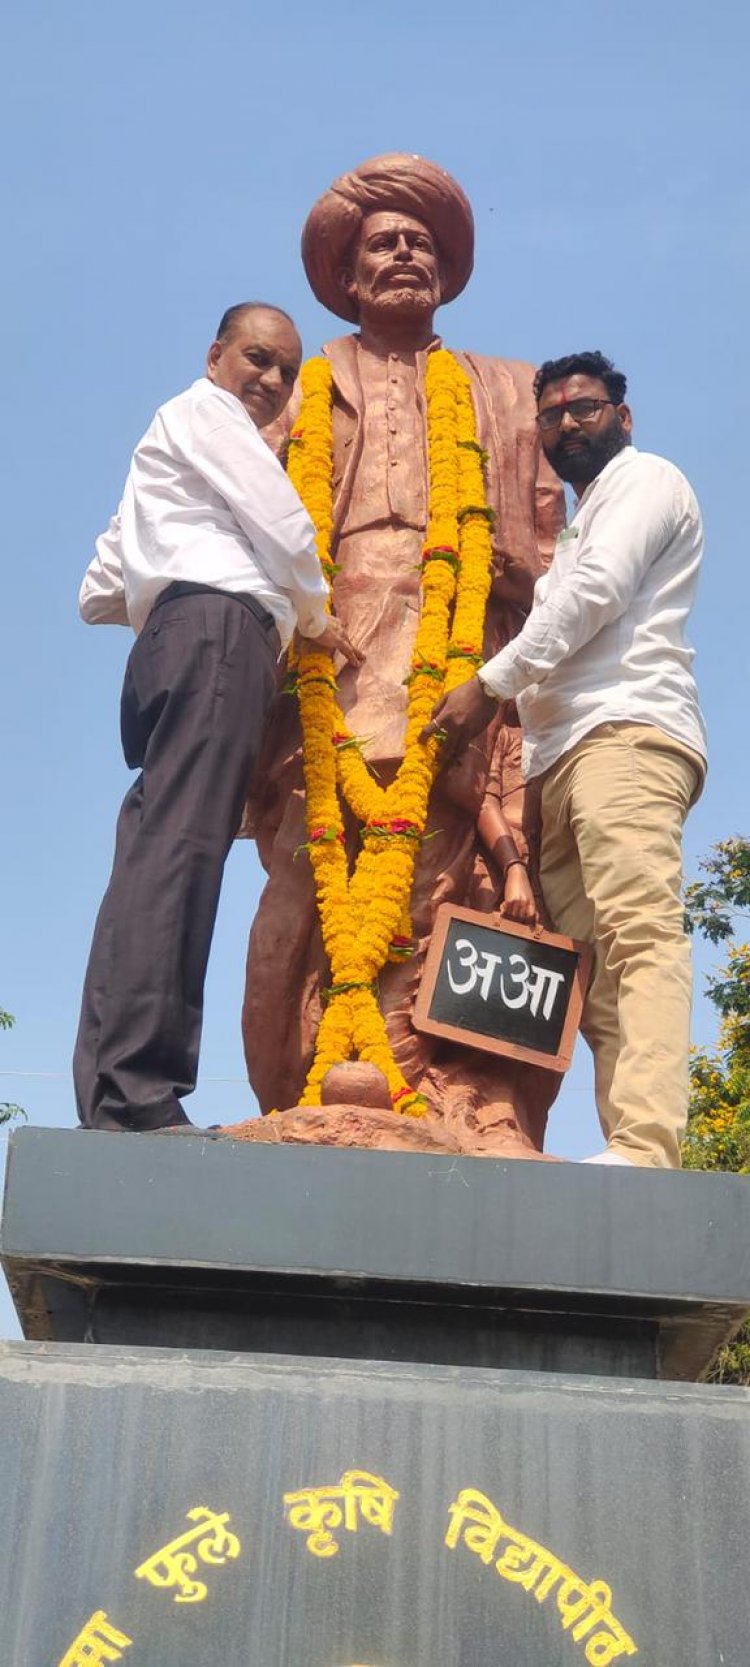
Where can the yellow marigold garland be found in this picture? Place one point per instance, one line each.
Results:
(365, 917)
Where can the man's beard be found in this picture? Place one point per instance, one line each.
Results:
(588, 455)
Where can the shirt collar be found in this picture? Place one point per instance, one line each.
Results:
(433, 346)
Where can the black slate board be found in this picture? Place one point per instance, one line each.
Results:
(504, 988)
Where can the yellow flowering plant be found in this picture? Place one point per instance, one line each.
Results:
(364, 913)
(718, 1131)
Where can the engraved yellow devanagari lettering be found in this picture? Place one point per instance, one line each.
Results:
(582, 1605)
(174, 1565)
(214, 1543)
(98, 1642)
(317, 1511)
(605, 1647)
(474, 1515)
(579, 1598)
(594, 1606)
(524, 1562)
(375, 1497)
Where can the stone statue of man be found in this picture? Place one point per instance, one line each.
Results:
(383, 248)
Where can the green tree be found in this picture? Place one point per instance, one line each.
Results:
(718, 1132)
(7, 1109)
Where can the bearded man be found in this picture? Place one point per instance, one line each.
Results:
(615, 739)
(383, 248)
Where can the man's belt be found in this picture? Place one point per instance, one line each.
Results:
(189, 587)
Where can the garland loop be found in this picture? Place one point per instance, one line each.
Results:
(364, 914)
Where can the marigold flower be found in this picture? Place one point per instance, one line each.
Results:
(361, 912)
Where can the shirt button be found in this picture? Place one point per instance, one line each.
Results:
(394, 461)
(395, 379)
(393, 429)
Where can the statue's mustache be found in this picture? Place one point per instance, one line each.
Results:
(402, 272)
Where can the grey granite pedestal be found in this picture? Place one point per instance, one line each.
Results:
(422, 1410)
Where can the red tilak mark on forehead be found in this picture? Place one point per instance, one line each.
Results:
(559, 399)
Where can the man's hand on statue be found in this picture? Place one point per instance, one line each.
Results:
(518, 899)
(335, 639)
(458, 717)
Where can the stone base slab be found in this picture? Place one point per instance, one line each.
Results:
(526, 1517)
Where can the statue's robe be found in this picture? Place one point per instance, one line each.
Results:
(380, 493)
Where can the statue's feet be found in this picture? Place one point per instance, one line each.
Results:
(354, 1083)
(356, 1110)
(374, 1127)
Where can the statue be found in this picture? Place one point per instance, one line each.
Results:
(383, 248)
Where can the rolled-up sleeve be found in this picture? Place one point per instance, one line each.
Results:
(625, 534)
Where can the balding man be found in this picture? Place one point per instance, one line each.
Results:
(211, 559)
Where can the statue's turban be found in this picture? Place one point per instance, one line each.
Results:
(395, 182)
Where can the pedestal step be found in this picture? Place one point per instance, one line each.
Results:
(147, 1240)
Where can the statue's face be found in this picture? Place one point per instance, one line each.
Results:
(395, 267)
(258, 362)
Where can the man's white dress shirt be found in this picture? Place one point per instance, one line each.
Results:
(605, 640)
(206, 500)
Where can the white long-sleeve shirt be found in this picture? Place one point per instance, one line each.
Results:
(605, 640)
(206, 500)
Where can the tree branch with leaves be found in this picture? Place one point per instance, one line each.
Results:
(7, 1110)
(718, 1131)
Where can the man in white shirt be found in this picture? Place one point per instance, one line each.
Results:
(211, 558)
(601, 674)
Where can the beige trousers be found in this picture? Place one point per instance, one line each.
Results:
(611, 869)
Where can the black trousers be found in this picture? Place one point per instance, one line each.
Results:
(197, 688)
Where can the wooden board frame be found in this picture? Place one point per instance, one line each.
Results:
(562, 1060)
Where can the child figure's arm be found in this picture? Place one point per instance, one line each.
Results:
(518, 898)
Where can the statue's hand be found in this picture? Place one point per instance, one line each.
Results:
(335, 640)
(518, 899)
(458, 717)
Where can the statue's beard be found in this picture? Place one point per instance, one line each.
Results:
(402, 303)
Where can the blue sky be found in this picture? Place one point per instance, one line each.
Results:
(160, 160)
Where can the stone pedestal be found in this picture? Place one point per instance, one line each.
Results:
(468, 1369)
